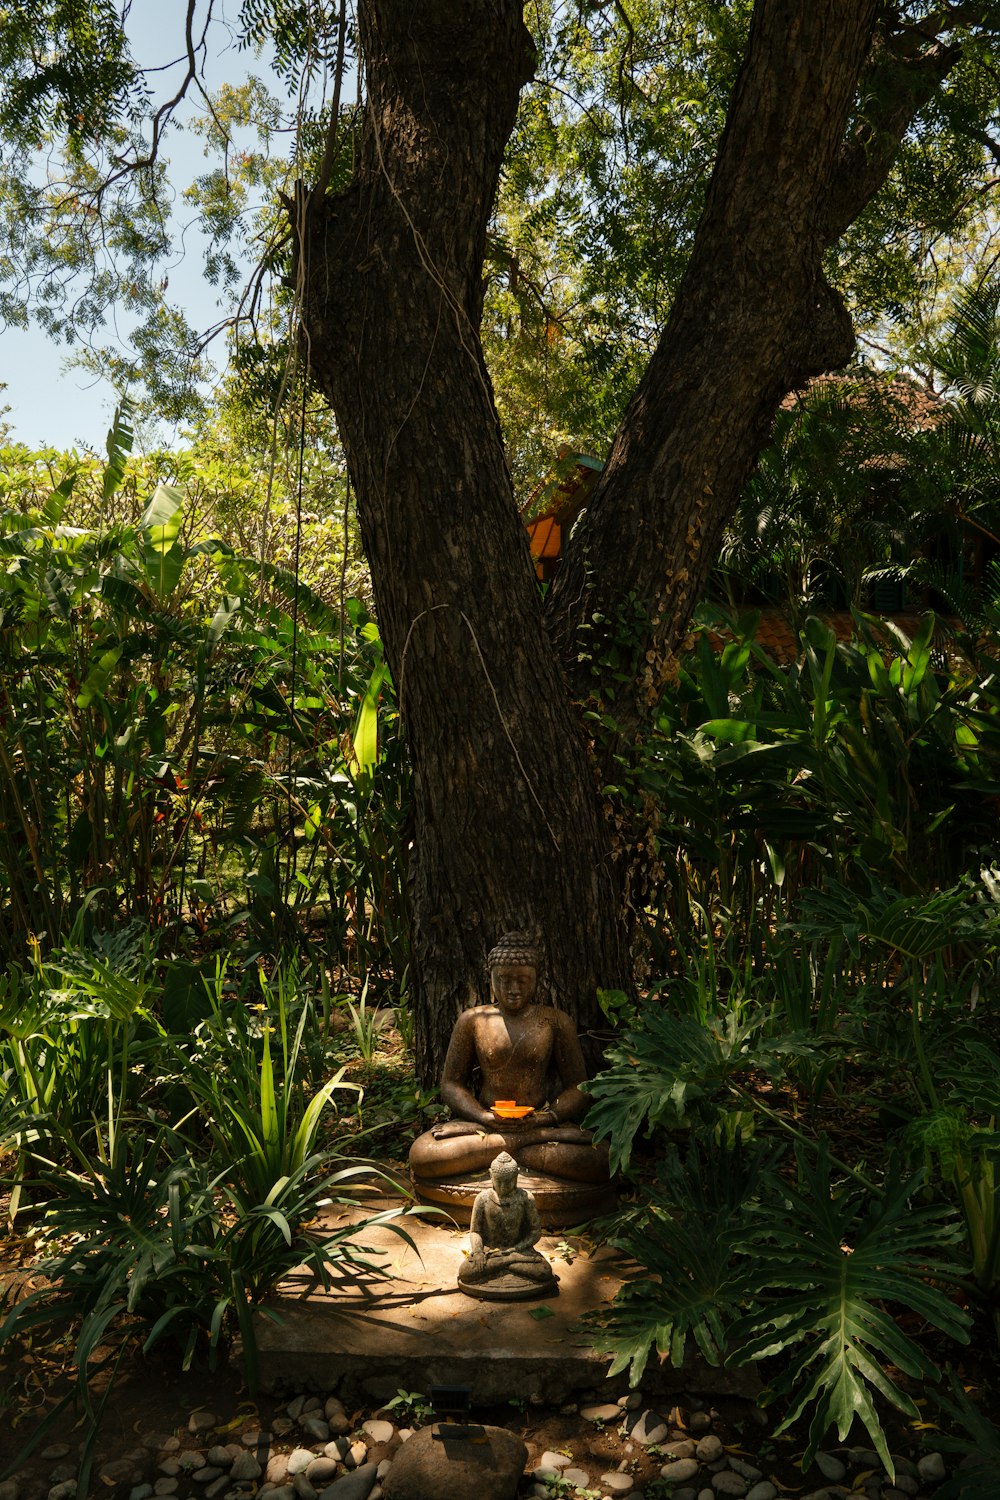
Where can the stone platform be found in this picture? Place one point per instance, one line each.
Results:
(369, 1337)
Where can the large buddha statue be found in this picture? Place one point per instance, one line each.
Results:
(512, 1079)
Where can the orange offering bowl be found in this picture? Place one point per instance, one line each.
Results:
(506, 1109)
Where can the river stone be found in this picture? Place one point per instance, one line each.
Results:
(207, 1474)
(679, 1469)
(745, 1470)
(699, 1421)
(377, 1430)
(217, 1487)
(140, 1492)
(219, 1456)
(830, 1467)
(726, 1482)
(118, 1471)
(304, 1488)
(709, 1449)
(763, 1491)
(277, 1469)
(202, 1421)
(322, 1471)
(317, 1427)
(550, 1460)
(648, 1428)
(245, 1466)
(54, 1451)
(299, 1460)
(931, 1467)
(168, 1485)
(256, 1439)
(487, 1470)
(578, 1477)
(63, 1491)
(356, 1486)
(604, 1413)
(907, 1485)
(618, 1484)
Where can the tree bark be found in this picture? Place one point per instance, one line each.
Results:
(754, 317)
(508, 827)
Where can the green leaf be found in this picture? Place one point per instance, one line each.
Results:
(163, 553)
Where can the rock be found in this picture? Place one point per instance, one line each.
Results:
(578, 1477)
(680, 1448)
(382, 1469)
(62, 1472)
(168, 1485)
(277, 1469)
(763, 1491)
(333, 1407)
(170, 1467)
(54, 1451)
(830, 1467)
(618, 1484)
(356, 1486)
(311, 1404)
(404, 1434)
(709, 1449)
(679, 1470)
(207, 1474)
(648, 1428)
(550, 1460)
(190, 1460)
(304, 1488)
(907, 1485)
(281, 1426)
(217, 1487)
(931, 1468)
(746, 1471)
(377, 1430)
(317, 1427)
(322, 1471)
(140, 1492)
(283, 1492)
(170, 1444)
(202, 1421)
(699, 1421)
(63, 1491)
(355, 1456)
(299, 1460)
(245, 1466)
(118, 1471)
(9, 1489)
(490, 1470)
(605, 1413)
(219, 1456)
(631, 1402)
(256, 1439)
(295, 1408)
(727, 1482)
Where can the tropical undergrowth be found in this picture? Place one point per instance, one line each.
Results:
(174, 1150)
(827, 942)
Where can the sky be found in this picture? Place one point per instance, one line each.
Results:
(55, 406)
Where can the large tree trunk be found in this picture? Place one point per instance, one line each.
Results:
(508, 827)
(754, 318)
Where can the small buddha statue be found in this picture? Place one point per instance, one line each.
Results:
(503, 1263)
(521, 1057)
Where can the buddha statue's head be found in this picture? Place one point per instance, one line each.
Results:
(503, 1174)
(513, 966)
